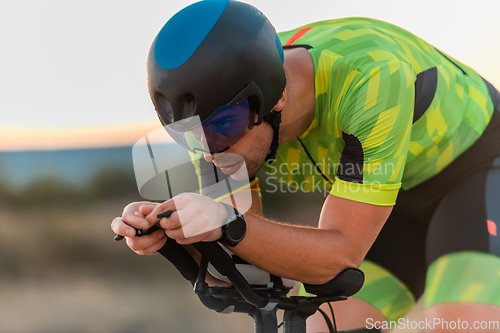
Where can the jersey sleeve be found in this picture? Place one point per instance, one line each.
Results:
(374, 119)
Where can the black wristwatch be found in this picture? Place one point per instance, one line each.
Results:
(234, 227)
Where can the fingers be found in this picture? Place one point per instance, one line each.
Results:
(160, 208)
(194, 218)
(179, 236)
(149, 244)
(201, 218)
(176, 234)
(185, 241)
(171, 223)
(154, 248)
(133, 214)
(184, 236)
(134, 217)
(146, 208)
(177, 228)
(121, 228)
(134, 206)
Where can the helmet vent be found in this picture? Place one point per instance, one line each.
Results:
(188, 103)
(164, 108)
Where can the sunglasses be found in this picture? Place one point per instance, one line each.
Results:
(224, 127)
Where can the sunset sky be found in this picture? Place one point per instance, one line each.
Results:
(73, 73)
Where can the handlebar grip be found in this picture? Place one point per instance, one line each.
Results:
(346, 283)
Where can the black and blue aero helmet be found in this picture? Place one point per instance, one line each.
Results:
(222, 61)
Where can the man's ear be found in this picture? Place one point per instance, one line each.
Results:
(281, 102)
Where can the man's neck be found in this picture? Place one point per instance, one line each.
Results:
(299, 109)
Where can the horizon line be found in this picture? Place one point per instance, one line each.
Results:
(79, 138)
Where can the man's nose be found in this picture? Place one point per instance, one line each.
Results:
(208, 157)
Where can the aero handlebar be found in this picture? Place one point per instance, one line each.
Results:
(260, 303)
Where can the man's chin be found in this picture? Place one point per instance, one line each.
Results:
(247, 171)
(241, 173)
(243, 170)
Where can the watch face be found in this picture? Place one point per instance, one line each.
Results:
(237, 229)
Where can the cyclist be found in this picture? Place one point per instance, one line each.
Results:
(405, 138)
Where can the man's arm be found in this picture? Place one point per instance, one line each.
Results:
(345, 233)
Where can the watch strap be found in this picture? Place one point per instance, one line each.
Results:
(233, 215)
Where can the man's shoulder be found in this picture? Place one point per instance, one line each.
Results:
(354, 43)
(344, 22)
(330, 28)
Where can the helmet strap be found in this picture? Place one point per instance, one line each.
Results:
(273, 118)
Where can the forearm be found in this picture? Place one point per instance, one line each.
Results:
(305, 254)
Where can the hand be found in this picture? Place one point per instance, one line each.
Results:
(196, 218)
(133, 216)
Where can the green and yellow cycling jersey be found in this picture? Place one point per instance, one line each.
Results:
(392, 111)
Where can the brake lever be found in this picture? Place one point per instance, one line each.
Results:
(142, 232)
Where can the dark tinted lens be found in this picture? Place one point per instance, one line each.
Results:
(227, 125)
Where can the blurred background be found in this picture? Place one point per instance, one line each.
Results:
(73, 102)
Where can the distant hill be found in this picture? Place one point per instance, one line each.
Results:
(76, 166)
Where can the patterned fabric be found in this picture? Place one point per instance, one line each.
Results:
(463, 277)
(365, 136)
(385, 291)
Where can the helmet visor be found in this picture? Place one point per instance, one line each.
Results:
(226, 126)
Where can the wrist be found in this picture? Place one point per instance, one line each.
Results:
(233, 227)
(223, 213)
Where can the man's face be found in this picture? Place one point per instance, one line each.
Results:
(253, 147)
